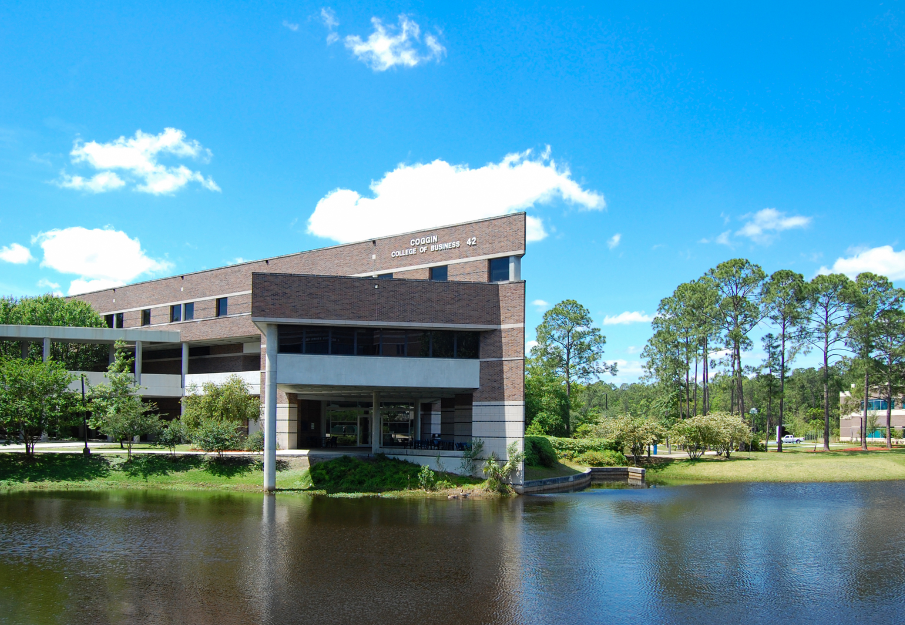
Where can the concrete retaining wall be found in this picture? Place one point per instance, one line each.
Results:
(633, 475)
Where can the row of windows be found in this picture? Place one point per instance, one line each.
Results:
(378, 342)
(178, 312)
(497, 271)
(880, 404)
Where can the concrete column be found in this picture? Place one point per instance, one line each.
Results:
(138, 362)
(270, 407)
(46, 354)
(417, 419)
(24, 350)
(515, 268)
(111, 354)
(185, 372)
(376, 430)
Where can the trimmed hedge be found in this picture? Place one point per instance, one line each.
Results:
(602, 459)
(570, 448)
(539, 452)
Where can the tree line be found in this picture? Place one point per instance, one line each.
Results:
(696, 360)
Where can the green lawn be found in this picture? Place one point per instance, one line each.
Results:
(560, 469)
(109, 471)
(789, 466)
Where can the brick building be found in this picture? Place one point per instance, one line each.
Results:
(410, 345)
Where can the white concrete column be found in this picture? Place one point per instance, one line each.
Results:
(46, 354)
(376, 430)
(270, 407)
(24, 350)
(138, 362)
(185, 372)
(417, 419)
(515, 268)
(111, 354)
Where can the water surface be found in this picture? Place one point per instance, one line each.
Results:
(761, 553)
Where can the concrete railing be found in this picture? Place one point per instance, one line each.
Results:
(578, 481)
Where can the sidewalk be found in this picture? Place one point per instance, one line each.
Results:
(114, 448)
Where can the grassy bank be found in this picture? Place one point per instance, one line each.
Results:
(789, 466)
(348, 475)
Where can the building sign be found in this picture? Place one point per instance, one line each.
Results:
(430, 243)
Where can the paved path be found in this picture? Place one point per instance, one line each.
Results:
(114, 448)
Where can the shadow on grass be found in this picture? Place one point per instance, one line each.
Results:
(147, 465)
(234, 467)
(16, 467)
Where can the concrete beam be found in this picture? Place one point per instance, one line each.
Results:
(68, 334)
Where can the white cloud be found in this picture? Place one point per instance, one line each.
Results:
(626, 318)
(632, 349)
(290, 25)
(328, 17)
(16, 254)
(881, 260)
(102, 258)
(238, 260)
(529, 345)
(414, 197)
(723, 238)
(52, 287)
(626, 371)
(614, 240)
(766, 223)
(541, 304)
(388, 47)
(137, 159)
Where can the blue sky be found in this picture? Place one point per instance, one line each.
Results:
(647, 141)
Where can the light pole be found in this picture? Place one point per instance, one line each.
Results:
(85, 451)
(753, 413)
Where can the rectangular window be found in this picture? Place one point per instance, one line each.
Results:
(108, 319)
(120, 320)
(146, 317)
(189, 311)
(175, 313)
(443, 344)
(439, 274)
(342, 341)
(499, 269)
(317, 340)
(291, 339)
(367, 343)
(467, 344)
(221, 307)
(418, 343)
(392, 342)
(385, 276)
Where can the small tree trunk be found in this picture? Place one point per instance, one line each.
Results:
(889, 412)
(864, 417)
(826, 398)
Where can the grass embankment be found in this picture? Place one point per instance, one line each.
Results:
(561, 468)
(345, 474)
(797, 465)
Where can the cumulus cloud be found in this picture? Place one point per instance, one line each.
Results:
(723, 238)
(290, 25)
(328, 17)
(137, 161)
(614, 240)
(16, 254)
(101, 258)
(766, 223)
(541, 304)
(626, 370)
(881, 260)
(414, 197)
(627, 317)
(388, 47)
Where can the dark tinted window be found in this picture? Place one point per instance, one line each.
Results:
(385, 276)
(367, 343)
(317, 341)
(119, 320)
(467, 344)
(342, 341)
(392, 342)
(418, 343)
(146, 317)
(109, 320)
(442, 344)
(175, 313)
(439, 274)
(222, 307)
(189, 311)
(499, 269)
(291, 339)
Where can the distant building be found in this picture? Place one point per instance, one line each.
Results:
(852, 414)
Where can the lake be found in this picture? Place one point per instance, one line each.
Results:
(760, 553)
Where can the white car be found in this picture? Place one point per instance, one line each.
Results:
(788, 438)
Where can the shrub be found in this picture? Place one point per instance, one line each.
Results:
(723, 432)
(633, 433)
(471, 457)
(214, 435)
(426, 478)
(498, 474)
(539, 452)
(570, 448)
(602, 459)
(172, 435)
(255, 442)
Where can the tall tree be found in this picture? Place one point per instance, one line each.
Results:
(823, 327)
(571, 346)
(891, 355)
(768, 377)
(783, 299)
(35, 398)
(871, 298)
(737, 309)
